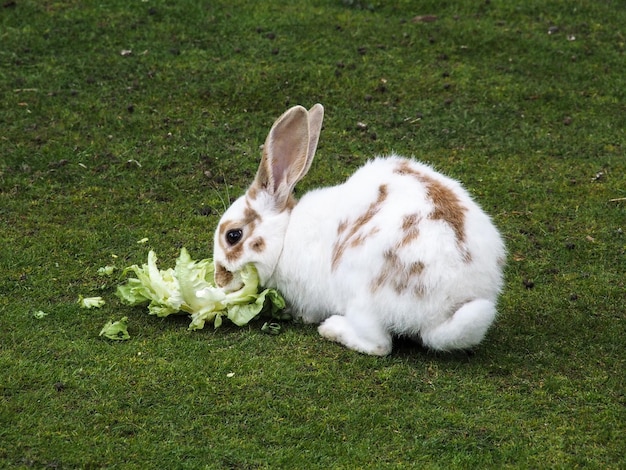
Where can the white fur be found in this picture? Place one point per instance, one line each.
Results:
(457, 305)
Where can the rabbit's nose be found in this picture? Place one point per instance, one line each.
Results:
(223, 277)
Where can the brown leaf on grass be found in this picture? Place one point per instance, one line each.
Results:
(424, 19)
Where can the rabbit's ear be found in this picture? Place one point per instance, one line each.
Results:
(316, 116)
(288, 152)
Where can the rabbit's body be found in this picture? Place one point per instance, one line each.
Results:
(402, 266)
(398, 249)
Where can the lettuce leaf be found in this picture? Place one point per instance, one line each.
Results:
(90, 302)
(116, 330)
(106, 270)
(160, 288)
(189, 289)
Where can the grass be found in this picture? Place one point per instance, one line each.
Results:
(522, 101)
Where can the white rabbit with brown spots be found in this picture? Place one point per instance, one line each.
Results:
(396, 250)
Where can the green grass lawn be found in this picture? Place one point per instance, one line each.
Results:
(122, 120)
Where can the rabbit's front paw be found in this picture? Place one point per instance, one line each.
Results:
(339, 329)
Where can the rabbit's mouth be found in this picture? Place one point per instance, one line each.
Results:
(226, 279)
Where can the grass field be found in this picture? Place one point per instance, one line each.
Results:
(123, 120)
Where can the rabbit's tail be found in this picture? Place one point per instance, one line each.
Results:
(466, 327)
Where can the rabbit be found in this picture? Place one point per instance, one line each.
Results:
(398, 249)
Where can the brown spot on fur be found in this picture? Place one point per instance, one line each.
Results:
(356, 240)
(360, 239)
(250, 215)
(399, 275)
(222, 276)
(410, 229)
(416, 268)
(353, 234)
(342, 227)
(409, 221)
(253, 192)
(390, 265)
(382, 193)
(235, 252)
(258, 244)
(447, 206)
(413, 271)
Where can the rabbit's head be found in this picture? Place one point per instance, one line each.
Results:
(252, 230)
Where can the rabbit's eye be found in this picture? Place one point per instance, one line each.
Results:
(233, 236)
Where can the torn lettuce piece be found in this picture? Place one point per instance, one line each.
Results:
(189, 288)
(277, 305)
(90, 302)
(106, 270)
(116, 330)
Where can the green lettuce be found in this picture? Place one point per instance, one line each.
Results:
(90, 302)
(116, 330)
(106, 270)
(188, 288)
